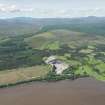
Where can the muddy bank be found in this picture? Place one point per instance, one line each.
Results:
(85, 91)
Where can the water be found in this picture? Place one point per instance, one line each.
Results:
(85, 91)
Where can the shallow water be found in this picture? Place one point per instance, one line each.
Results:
(85, 91)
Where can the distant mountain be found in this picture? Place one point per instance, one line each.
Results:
(27, 25)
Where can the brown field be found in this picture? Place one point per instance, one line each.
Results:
(21, 74)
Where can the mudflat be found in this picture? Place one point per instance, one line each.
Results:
(84, 91)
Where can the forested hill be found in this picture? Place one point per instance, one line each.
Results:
(26, 25)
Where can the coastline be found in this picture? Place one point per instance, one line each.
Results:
(41, 80)
(66, 92)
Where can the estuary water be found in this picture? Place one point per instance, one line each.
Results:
(84, 91)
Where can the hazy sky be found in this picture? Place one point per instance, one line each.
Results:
(51, 8)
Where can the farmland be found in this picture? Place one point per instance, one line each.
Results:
(22, 56)
(22, 74)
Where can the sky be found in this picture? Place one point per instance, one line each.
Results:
(51, 8)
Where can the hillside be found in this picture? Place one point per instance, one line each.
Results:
(27, 25)
(83, 51)
(59, 37)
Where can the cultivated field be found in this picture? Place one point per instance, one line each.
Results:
(22, 74)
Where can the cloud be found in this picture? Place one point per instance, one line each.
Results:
(8, 8)
(68, 12)
(74, 12)
(51, 12)
(13, 8)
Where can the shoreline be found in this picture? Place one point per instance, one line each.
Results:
(40, 80)
(66, 92)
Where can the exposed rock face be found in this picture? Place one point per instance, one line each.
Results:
(57, 64)
(60, 68)
(50, 59)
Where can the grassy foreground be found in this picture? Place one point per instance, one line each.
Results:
(15, 76)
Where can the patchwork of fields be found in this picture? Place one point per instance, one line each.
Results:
(83, 51)
(22, 57)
